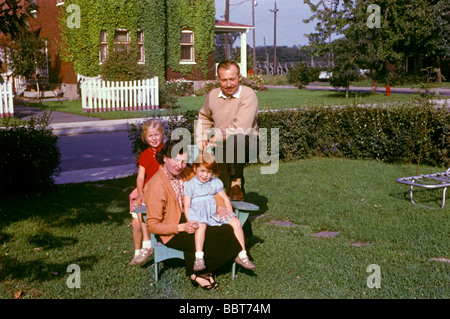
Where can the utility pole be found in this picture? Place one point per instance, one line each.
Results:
(227, 39)
(254, 3)
(275, 10)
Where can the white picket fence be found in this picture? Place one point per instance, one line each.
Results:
(6, 100)
(103, 96)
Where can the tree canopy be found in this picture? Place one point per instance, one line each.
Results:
(389, 31)
(14, 15)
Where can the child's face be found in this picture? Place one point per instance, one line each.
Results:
(153, 137)
(203, 174)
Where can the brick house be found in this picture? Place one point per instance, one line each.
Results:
(46, 24)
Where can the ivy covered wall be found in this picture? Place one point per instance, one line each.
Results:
(161, 21)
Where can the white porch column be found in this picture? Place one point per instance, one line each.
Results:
(244, 53)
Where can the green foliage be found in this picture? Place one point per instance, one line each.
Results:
(122, 66)
(302, 75)
(406, 133)
(407, 28)
(161, 22)
(30, 157)
(395, 134)
(180, 87)
(197, 16)
(14, 15)
(26, 54)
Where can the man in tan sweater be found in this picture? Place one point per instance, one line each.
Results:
(231, 109)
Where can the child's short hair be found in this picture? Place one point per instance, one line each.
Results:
(151, 124)
(208, 161)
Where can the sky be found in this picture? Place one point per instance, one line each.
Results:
(290, 27)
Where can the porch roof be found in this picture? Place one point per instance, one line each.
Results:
(228, 27)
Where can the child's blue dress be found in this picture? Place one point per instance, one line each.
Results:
(203, 201)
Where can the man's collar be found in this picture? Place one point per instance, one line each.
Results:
(235, 95)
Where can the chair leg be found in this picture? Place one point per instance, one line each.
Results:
(156, 272)
(443, 197)
(233, 271)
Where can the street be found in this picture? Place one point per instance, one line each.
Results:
(94, 150)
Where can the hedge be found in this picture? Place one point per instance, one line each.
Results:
(29, 158)
(404, 133)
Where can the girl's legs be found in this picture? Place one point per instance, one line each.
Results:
(199, 263)
(242, 258)
(238, 231)
(142, 243)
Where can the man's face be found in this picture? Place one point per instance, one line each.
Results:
(228, 80)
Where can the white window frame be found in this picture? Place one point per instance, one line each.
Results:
(191, 44)
(103, 44)
(140, 43)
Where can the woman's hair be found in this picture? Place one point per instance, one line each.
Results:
(171, 149)
(149, 125)
(208, 161)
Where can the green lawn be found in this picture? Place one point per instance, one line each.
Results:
(294, 98)
(268, 100)
(87, 224)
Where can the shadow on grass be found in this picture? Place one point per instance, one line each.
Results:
(40, 269)
(71, 204)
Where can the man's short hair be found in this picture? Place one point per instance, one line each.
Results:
(227, 64)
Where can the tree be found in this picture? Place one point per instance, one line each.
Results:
(402, 28)
(344, 70)
(26, 55)
(14, 15)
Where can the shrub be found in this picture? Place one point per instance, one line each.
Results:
(30, 157)
(122, 66)
(180, 87)
(395, 134)
(254, 81)
(302, 75)
(405, 133)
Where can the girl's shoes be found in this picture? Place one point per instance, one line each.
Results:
(245, 262)
(212, 285)
(199, 264)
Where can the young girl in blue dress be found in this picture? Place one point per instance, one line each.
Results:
(200, 206)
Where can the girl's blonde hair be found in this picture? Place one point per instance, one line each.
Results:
(208, 161)
(151, 124)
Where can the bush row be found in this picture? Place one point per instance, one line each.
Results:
(392, 134)
(29, 158)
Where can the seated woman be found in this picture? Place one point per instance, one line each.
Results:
(163, 196)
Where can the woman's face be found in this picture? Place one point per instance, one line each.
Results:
(175, 165)
(153, 137)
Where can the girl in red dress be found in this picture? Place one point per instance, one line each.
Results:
(153, 135)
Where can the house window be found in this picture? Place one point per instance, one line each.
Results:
(140, 44)
(121, 40)
(187, 47)
(103, 46)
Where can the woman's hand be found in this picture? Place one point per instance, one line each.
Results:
(190, 227)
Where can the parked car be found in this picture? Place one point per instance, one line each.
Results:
(324, 75)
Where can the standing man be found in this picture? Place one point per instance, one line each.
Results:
(231, 109)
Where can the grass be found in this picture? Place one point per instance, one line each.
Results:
(88, 224)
